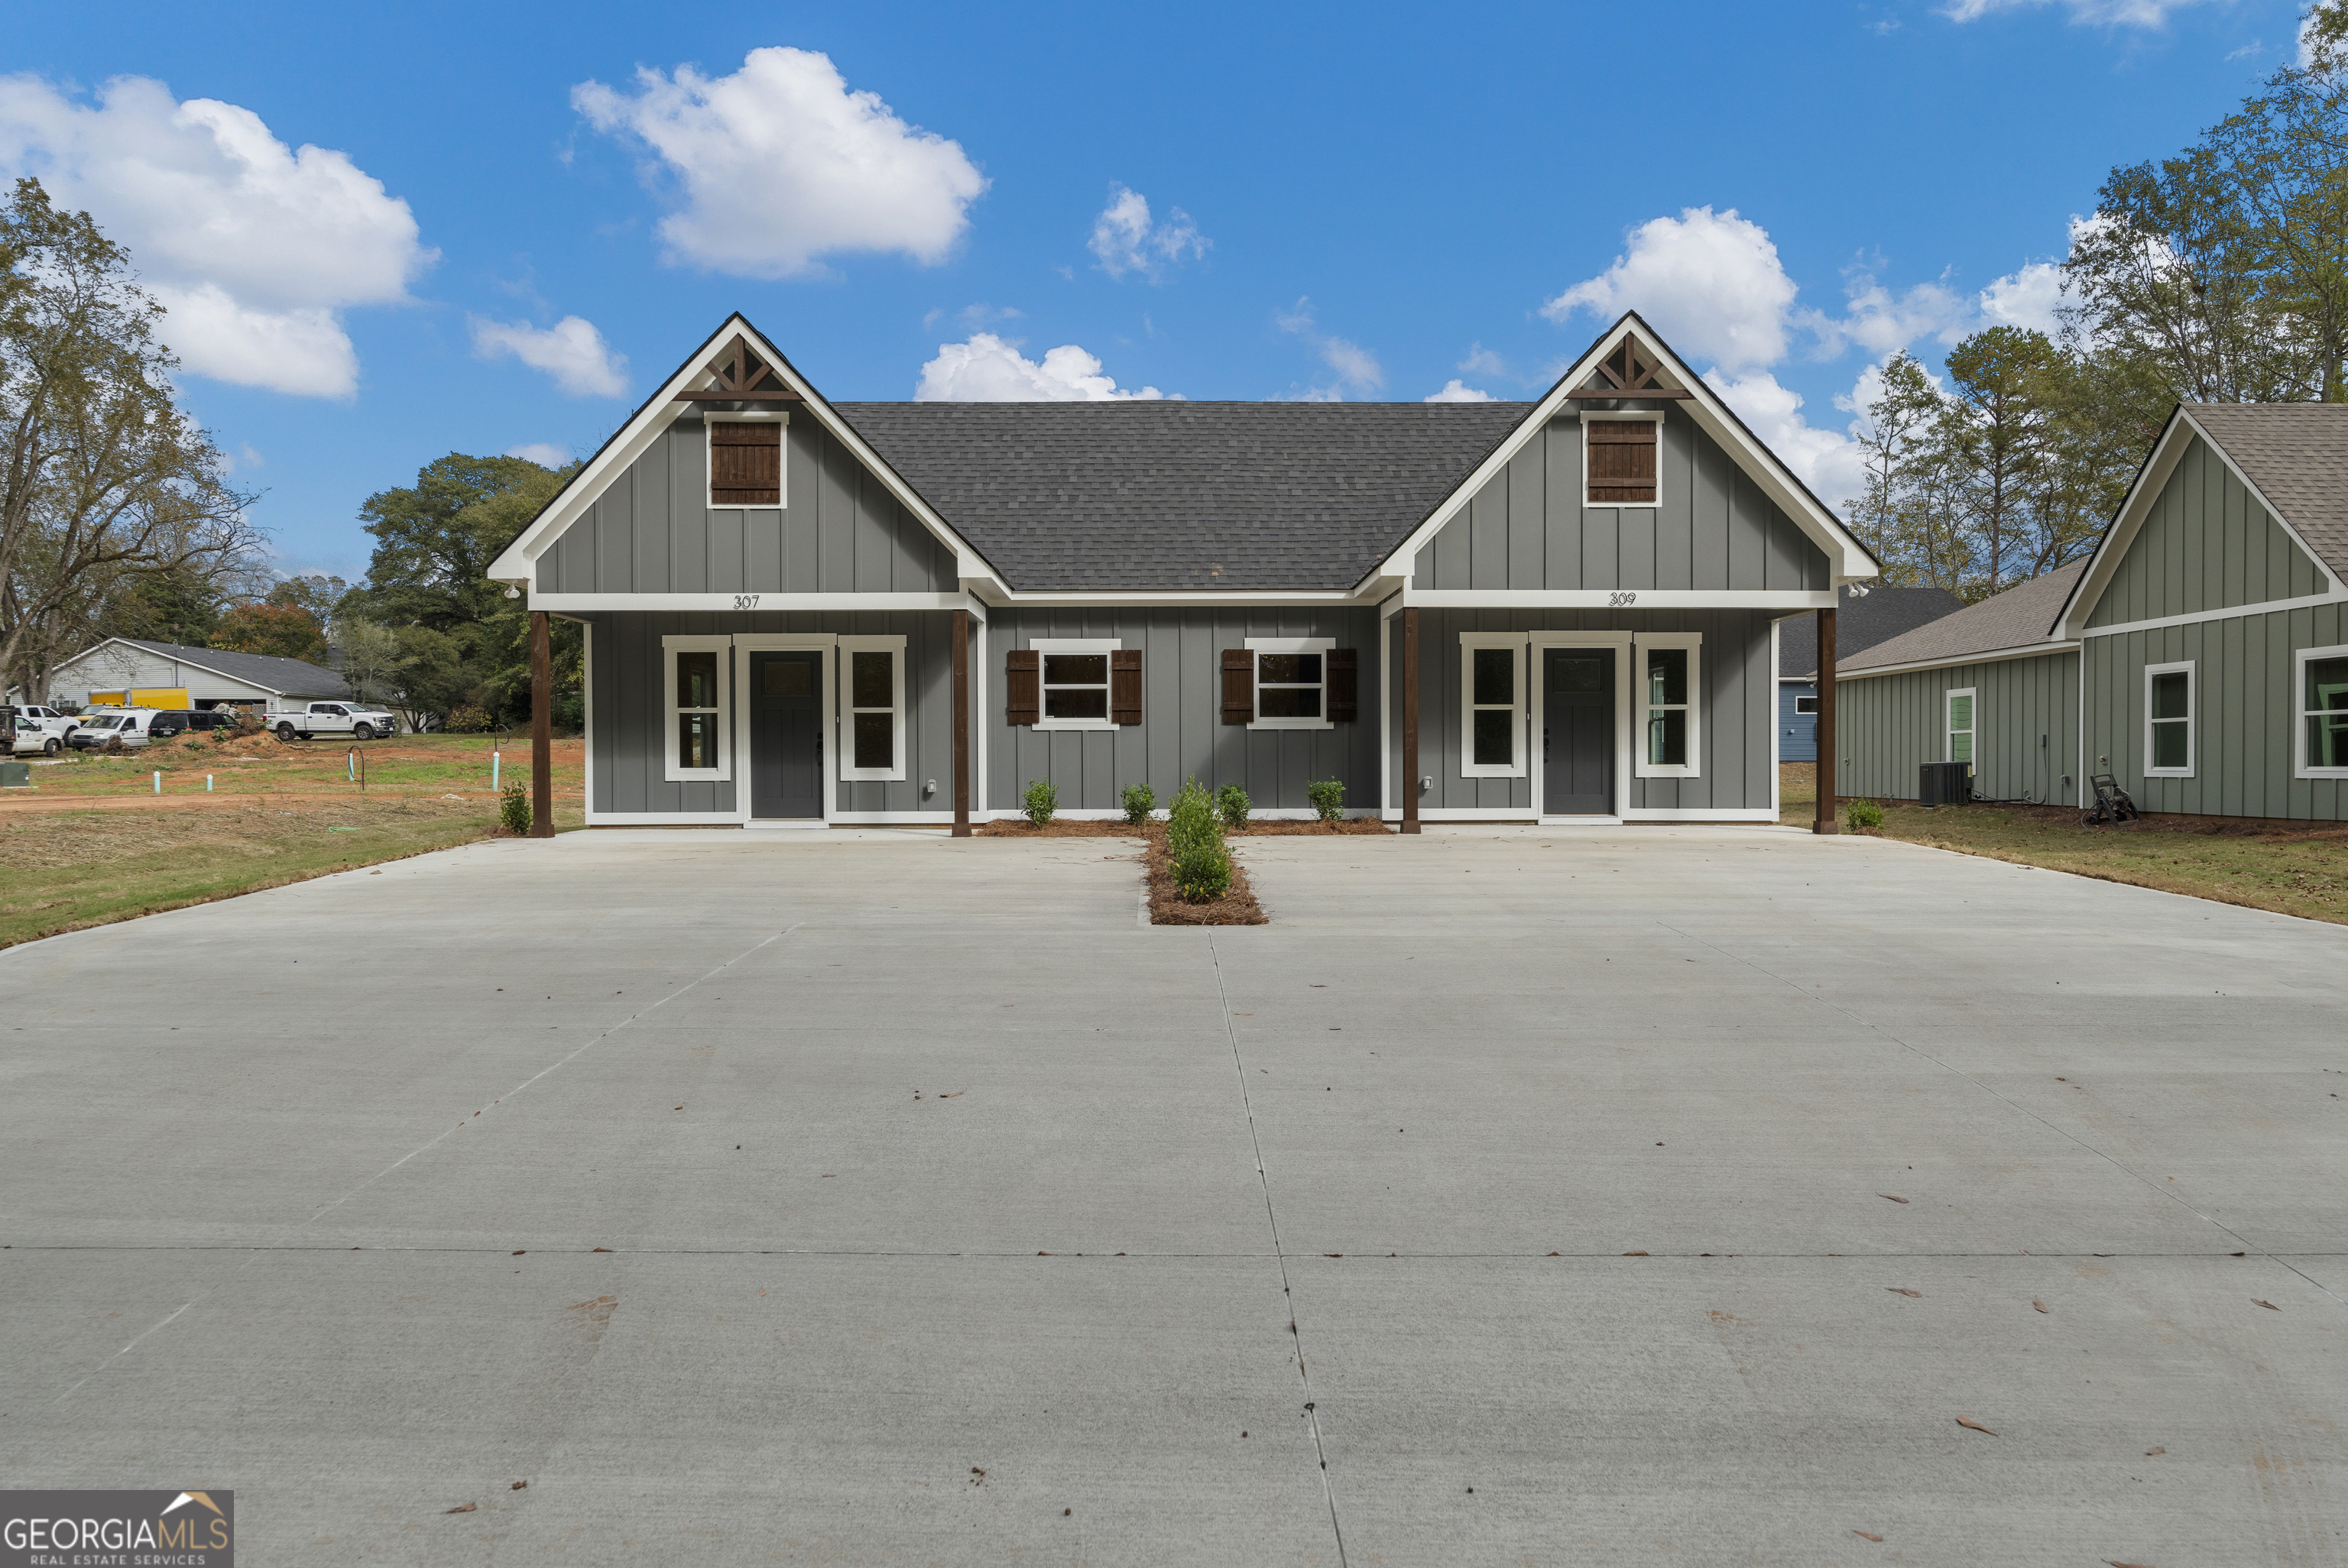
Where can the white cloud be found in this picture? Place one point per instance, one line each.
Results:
(1481, 361)
(254, 247)
(1709, 281)
(1883, 321)
(986, 369)
(1831, 464)
(779, 164)
(2096, 13)
(545, 454)
(1126, 241)
(2029, 296)
(1356, 368)
(1456, 391)
(571, 350)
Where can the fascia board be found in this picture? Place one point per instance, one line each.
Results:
(518, 561)
(1987, 656)
(1713, 417)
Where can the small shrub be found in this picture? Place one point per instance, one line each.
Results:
(1194, 843)
(1863, 813)
(1328, 798)
(1233, 802)
(513, 809)
(1139, 800)
(1190, 819)
(467, 720)
(1204, 875)
(1042, 801)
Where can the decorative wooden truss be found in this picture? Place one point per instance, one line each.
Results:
(741, 378)
(1625, 379)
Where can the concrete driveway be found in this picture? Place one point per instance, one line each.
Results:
(1513, 1198)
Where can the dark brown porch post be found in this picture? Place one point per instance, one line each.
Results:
(1828, 821)
(1410, 721)
(541, 727)
(962, 722)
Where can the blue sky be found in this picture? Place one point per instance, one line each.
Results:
(399, 232)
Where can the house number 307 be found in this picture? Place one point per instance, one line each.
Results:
(745, 602)
(1623, 599)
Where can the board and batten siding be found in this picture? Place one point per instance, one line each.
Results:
(652, 530)
(2205, 544)
(628, 710)
(2246, 713)
(1736, 715)
(2025, 729)
(1526, 527)
(1181, 734)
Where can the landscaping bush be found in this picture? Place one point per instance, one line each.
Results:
(513, 809)
(467, 720)
(1194, 843)
(1328, 798)
(1233, 802)
(1204, 875)
(1139, 800)
(1042, 801)
(1863, 813)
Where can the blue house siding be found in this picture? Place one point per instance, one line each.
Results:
(1797, 733)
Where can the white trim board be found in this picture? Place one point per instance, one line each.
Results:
(1634, 814)
(749, 603)
(2231, 612)
(1990, 656)
(1618, 599)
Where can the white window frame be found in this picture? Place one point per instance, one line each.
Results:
(1044, 648)
(1469, 768)
(1591, 417)
(2302, 713)
(709, 460)
(721, 644)
(1259, 646)
(844, 741)
(2192, 718)
(1948, 733)
(1642, 643)
(1809, 713)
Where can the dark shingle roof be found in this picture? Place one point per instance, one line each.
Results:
(2021, 615)
(286, 677)
(1860, 624)
(1149, 494)
(2297, 454)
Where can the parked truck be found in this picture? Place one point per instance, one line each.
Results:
(358, 722)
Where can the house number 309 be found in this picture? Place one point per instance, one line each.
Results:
(1622, 599)
(745, 602)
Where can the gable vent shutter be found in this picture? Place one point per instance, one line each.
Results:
(1622, 461)
(1344, 686)
(1239, 686)
(1125, 686)
(746, 463)
(1022, 685)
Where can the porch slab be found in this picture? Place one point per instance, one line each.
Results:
(952, 1217)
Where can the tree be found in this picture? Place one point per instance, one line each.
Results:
(370, 659)
(281, 631)
(103, 478)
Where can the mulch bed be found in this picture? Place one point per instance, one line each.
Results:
(1064, 827)
(1237, 906)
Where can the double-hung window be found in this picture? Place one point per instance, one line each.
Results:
(2168, 720)
(1291, 681)
(2322, 691)
(1668, 694)
(1073, 671)
(1492, 705)
(872, 714)
(1958, 706)
(696, 741)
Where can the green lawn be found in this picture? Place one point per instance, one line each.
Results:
(67, 869)
(2295, 869)
(401, 765)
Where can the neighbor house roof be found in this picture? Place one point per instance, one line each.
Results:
(1178, 495)
(1860, 622)
(284, 677)
(2023, 615)
(2296, 456)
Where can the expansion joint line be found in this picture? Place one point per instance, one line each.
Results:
(1279, 1253)
(2011, 1103)
(429, 1144)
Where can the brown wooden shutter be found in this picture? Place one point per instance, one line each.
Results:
(1125, 686)
(1622, 461)
(1239, 686)
(1344, 686)
(1023, 686)
(746, 463)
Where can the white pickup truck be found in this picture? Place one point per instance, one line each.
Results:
(352, 719)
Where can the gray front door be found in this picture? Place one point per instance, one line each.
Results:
(1578, 732)
(785, 735)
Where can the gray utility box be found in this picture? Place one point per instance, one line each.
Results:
(1944, 783)
(15, 775)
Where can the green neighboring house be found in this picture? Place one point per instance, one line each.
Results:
(2199, 655)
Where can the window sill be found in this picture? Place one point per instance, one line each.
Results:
(2175, 772)
(2321, 774)
(1655, 772)
(871, 776)
(699, 775)
(1291, 723)
(1071, 724)
(1481, 771)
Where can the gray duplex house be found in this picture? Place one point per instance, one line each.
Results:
(801, 612)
